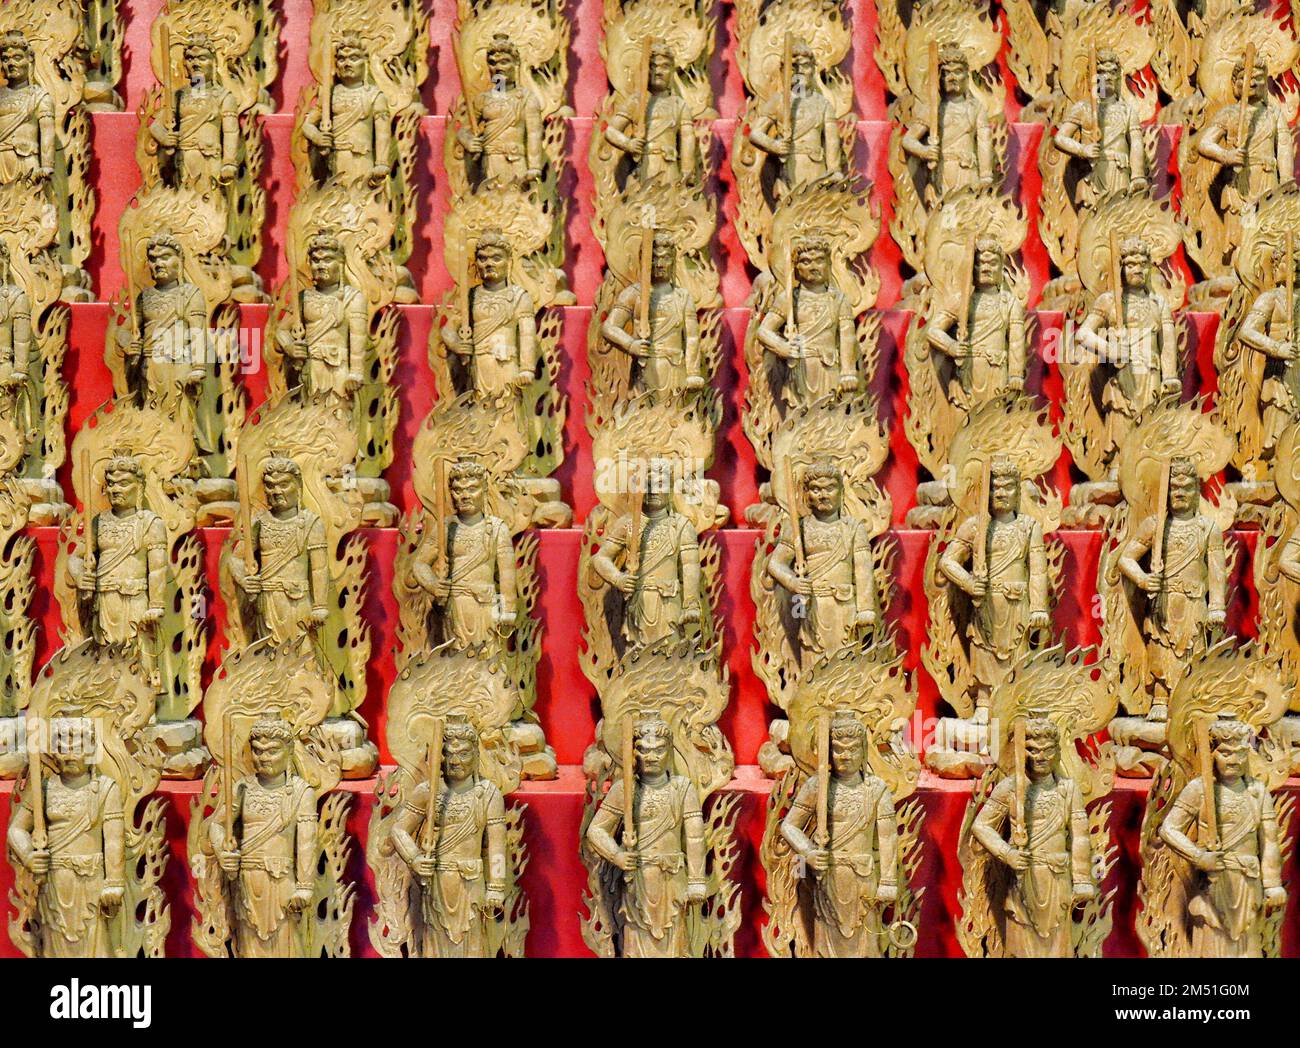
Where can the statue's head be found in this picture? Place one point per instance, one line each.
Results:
(663, 256)
(1109, 70)
(1258, 78)
(502, 59)
(467, 482)
(124, 480)
(492, 256)
(823, 486)
(1184, 484)
(652, 739)
(848, 743)
(1042, 747)
(1135, 262)
(73, 744)
(350, 56)
(1231, 742)
(660, 476)
(812, 259)
(200, 56)
(989, 261)
(663, 64)
(954, 69)
(282, 481)
(803, 62)
(1004, 484)
(1278, 257)
(165, 257)
(459, 748)
(16, 56)
(271, 744)
(325, 257)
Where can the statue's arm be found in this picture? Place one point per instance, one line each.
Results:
(606, 821)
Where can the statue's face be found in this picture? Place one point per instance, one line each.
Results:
(1184, 492)
(846, 755)
(73, 761)
(1108, 73)
(803, 66)
(823, 494)
(281, 490)
(1230, 759)
(1258, 81)
(662, 257)
(1004, 492)
(270, 756)
(123, 489)
(1135, 267)
(657, 497)
(493, 263)
(988, 267)
(811, 266)
(467, 495)
(200, 66)
(350, 62)
(1040, 756)
(164, 263)
(661, 71)
(952, 77)
(458, 756)
(326, 266)
(502, 66)
(16, 63)
(652, 754)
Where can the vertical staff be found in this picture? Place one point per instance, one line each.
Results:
(643, 75)
(466, 295)
(933, 70)
(440, 511)
(967, 290)
(1290, 287)
(792, 511)
(470, 117)
(88, 508)
(327, 86)
(1209, 807)
(634, 537)
(429, 831)
(1116, 287)
(40, 837)
(246, 516)
(791, 315)
(823, 831)
(168, 80)
(228, 784)
(647, 275)
(1162, 515)
(980, 555)
(1094, 102)
(1243, 112)
(629, 783)
(1019, 833)
(787, 90)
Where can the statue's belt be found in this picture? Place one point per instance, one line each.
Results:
(81, 865)
(470, 869)
(276, 866)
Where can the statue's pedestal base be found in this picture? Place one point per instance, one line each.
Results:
(1091, 504)
(181, 743)
(1139, 745)
(359, 756)
(961, 749)
(538, 758)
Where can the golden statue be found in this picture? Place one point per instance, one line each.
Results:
(18, 653)
(267, 840)
(992, 572)
(1162, 576)
(1035, 843)
(87, 841)
(840, 846)
(1214, 830)
(33, 342)
(292, 579)
(445, 848)
(957, 145)
(509, 126)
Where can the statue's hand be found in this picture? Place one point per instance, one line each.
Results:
(42, 175)
(1208, 861)
(929, 153)
(1172, 385)
(865, 618)
(441, 590)
(86, 580)
(522, 380)
(1274, 899)
(1139, 185)
(494, 899)
(818, 860)
(1016, 384)
(640, 347)
(627, 860)
(324, 139)
(424, 865)
(532, 175)
(1216, 617)
(849, 383)
(166, 138)
(1017, 859)
(1091, 150)
(697, 891)
(110, 899)
(253, 584)
(887, 893)
(352, 382)
(152, 616)
(694, 381)
(227, 174)
(1235, 156)
(1039, 620)
(378, 175)
(802, 586)
(38, 862)
(318, 616)
(229, 862)
(976, 588)
(505, 618)
(1152, 583)
(625, 582)
(691, 614)
(472, 144)
(299, 900)
(1083, 892)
